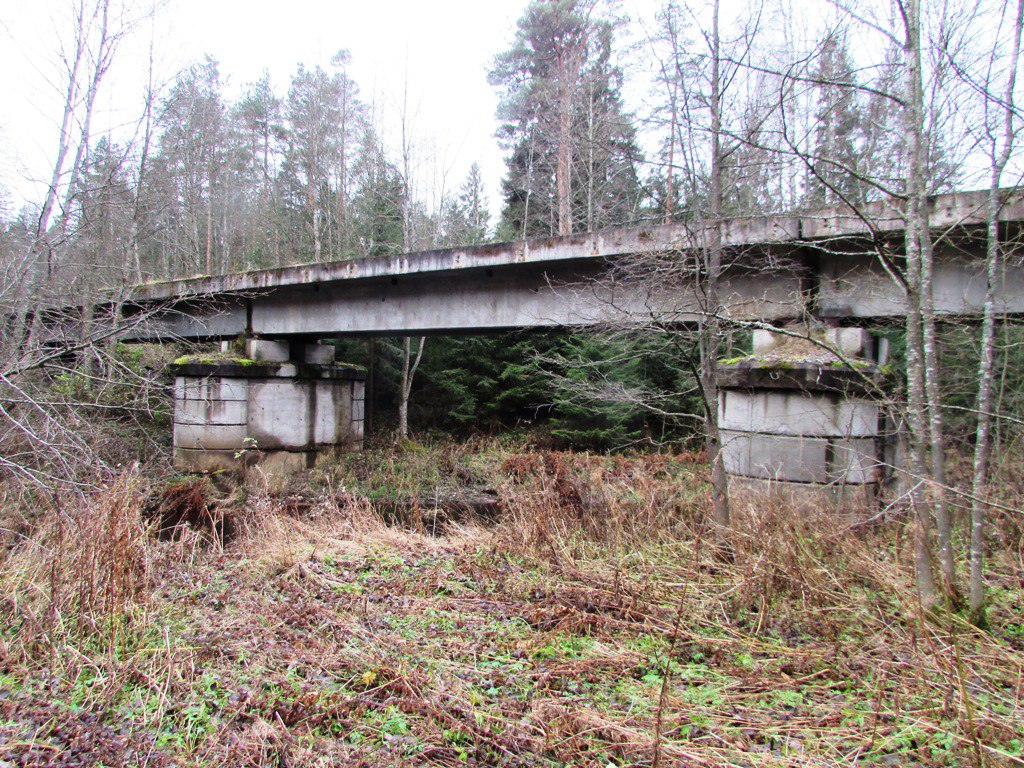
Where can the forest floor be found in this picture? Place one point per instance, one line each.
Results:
(591, 622)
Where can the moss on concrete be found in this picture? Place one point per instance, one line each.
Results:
(214, 358)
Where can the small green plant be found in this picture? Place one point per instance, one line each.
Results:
(249, 445)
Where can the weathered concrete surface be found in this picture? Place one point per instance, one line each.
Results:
(596, 246)
(276, 414)
(780, 267)
(797, 413)
(849, 342)
(267, 350)
(811, 377)
(858, 286)
(781, 412)
(800, 459)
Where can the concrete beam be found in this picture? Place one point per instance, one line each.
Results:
(962, 209)
(778, 268)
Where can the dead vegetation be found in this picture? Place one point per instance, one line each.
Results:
(588, 626)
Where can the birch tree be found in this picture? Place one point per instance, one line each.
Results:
(1002, 123)
(75, 244)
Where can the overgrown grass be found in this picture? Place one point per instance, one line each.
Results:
(591, 623)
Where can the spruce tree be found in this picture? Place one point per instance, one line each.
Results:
(465, 220)
(836, 158)
(573, 152)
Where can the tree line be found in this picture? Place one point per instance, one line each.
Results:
(205, 184)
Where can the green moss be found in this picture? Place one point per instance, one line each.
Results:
(736, 360)
(214, 358)
(858, 364)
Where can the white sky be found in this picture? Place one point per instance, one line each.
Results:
(443, 49)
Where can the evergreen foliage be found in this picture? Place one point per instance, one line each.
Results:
(579, 390)
(561, 104)
(838, 132)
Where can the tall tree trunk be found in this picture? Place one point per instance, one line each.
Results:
(371, 386)
(569, 63)
(670, 178)
(318, 245)
(591, 142)
(209, 231)
(986, 364)
(140, 182)
(409, 366)
(64, 136)
(408, 373)
(916, 224)
(564, 162)
(937, 441)
(711, 321)
(44, 237)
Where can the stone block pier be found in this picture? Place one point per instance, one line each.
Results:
(801, 417)
(265, 407)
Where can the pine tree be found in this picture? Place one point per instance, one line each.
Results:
(257, 145)
(573, 151)
(325, 121)
(188, 171)
(837, 135)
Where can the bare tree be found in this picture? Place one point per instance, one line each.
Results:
(67, 279)
(1000, 114)
(409, 365)
(917, 289)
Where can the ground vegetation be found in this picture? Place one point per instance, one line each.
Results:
(489, 605)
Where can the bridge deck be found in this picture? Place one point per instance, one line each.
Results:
(820, 228)
(779, 267)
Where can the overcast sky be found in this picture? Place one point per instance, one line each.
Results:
(441, 49)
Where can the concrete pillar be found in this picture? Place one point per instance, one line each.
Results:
(263, 410)
(798, 421)
(267, 350)
(319, 354)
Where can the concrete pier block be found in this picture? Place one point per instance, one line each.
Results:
(775, 457)
(276, 416)
(855, 462)
(848, 342)
(764, 341)
(214, 437)
(279, 414)
(319, 354)
(852, 342)
(782, 412)
(267, 351)
(210, 412)
(802, 422)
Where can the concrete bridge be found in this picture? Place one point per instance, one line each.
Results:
(777, 268)
(816, 426)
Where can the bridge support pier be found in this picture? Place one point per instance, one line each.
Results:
(799, 418)
(264, 408)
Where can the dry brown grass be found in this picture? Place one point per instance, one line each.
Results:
(85, 569)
